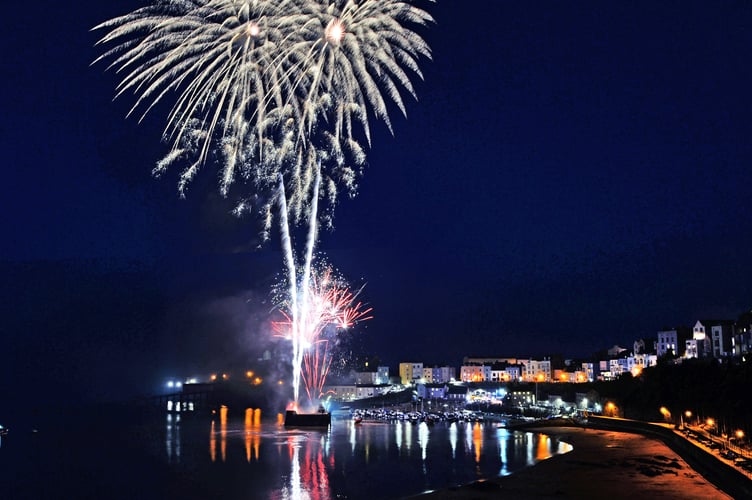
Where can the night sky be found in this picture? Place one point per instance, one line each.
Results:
(573, 175)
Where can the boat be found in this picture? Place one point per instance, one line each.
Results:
(319, 419)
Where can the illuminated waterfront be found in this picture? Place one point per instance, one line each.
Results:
(370, 460)
(254, 457)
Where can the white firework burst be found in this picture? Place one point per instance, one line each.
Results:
(268, 87)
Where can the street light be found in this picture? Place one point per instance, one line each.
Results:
(610, 409)
(739, 436)
(688, 415)
(711, 425)
(666, 414)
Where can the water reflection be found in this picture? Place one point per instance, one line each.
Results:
(477, 440)
(453, 438)
(398, 436)
(350, 461)
(309, 473)
(252, 433)
(423, 439)
(544, 448)
(172, 438)
(502, 437)
(222, 436)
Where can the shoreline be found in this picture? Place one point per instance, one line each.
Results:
(602, 463)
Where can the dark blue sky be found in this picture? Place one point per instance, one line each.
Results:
(574, 175)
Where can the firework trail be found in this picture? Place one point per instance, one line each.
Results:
(331, 307)
(277, 93)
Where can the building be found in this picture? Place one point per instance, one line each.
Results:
(438, 374)
(536, 370)
(722, 338)
(642, 361)
(516, 399)
(672, 342)
(475, 373)
(456, 393)
(502, 372)
(432, 391)
(362, 378)
(590, 371)
(410, 373)
(470, 360)
(341, 392)
(743, 335)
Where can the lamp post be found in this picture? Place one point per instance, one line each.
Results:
(687, 414)
(539, 378)
(739, 436)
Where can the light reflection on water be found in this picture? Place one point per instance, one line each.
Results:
(249, 458)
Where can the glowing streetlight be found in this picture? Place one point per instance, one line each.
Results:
(687, 415)
(739, 434)
(610, 409)
(666, 413)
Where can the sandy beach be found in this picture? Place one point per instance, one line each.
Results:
(603, 464)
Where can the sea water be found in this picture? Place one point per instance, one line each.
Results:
(121, 455)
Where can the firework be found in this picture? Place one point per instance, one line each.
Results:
(330, 306)
(277, 93)
(264, 87)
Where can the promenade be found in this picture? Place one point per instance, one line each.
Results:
(609, 464)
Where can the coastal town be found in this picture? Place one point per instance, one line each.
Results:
(664, 387)
(724, 341)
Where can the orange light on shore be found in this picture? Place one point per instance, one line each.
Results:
(739, 433)
(610, 409)
(710, 422)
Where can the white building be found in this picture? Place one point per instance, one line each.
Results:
(537, 370)
(668, 342)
